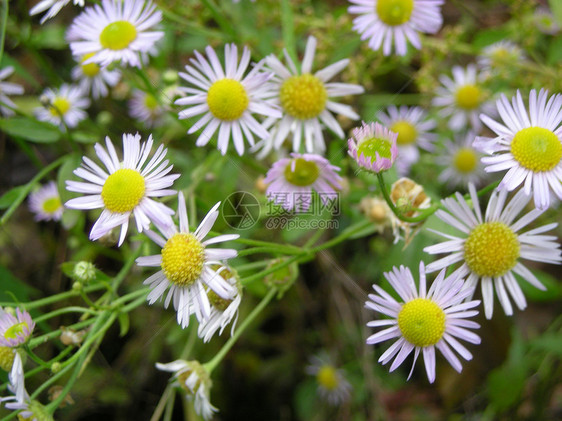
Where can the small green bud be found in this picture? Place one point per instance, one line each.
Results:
(170, 77)
(56, 367)
(282, 278)
(77, 286)
(84, 272)
(104, 118)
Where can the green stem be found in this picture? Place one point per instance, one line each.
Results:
(348, 232)
(65, 310)
(288, 29)
(210, 365)
(44, 338)
(4, 23)
(218, 16)
(262, 274)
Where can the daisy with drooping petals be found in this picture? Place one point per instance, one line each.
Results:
(126, 188)
(17, 383)
(500, 54)
(462, 97)
(383, 20)
(373, 147)
(146, 108)
(332, 384)
(306, 101)
(93, 78)
(63, 107)
(412, 126)
(227, 99)
(187, 266)
(490, 248)
(54, 7)
(116, 31)
(528, 145)
(462, 162)
(45, 203)
(291, 181)
(195, 381)
(425, 320)
(8, 88)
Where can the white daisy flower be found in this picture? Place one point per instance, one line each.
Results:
(195, 381)
(500, 54)
(306, 101)
(16, 378)
(545, 21)
(93, 78)
(291, 181)
(8, 88)
(126, 188)
(146, 108)
(383, 20)
(462, 97)
(413, 127)
(490, 248)
(461, 161)
(187, 266)
(54, 7)
(227, 99)
(223, 311)
(373, 147)
(424, 320)
(116, 31)
(45, 203)
(332, 384)
(63, 107)
(528, 145)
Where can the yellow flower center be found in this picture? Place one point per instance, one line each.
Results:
(123, 190)
(537, 149)
(150, 102)
(303, 97)
(90, 69)
(227, 99)
(59, 106)
(118, 35)
(491, 249)
(468, 97)
(7, 356)
(303, 173)
(51, 205)
(422, 322)
(394, 12)
(327, 377)
(407, 132)
(16, 330)
(369, 147)
(183, 257)
(465, 160)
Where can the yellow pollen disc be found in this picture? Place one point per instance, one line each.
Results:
(303, 173)
(327, 377)
(394, 12)
(227, 99)
(90, 69)
(183, 257)
(118, 35)
(468, 97)
(59, 106)
(150, 102)
(16, 330)
(537, 149)
(303, 97)
(123, 190)
(369, 148)
(51, 205)
(7, 356)
(491, 249)
(465, 160)
(422, 322)
(407, 132)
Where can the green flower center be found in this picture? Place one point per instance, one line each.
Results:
(422, 322)
(183, 257)
(123, 190)
(303, 97)
(369, 148)
(491, 249)
(394, 12)
(227, 99)
(59, 106)
(468, 97)
(301, 172)
(407, 132)
(51, 205)
(537, 149)
(327, 377)
(150, 102)
(90, 69)
(118, 35)
(465, 160)
(16, 330)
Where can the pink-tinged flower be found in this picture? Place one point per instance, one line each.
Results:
(424, 320)
(15, 330)
(45, 203)
(291, 181)
(373, 147)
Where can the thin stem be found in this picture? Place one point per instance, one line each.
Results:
(218, 16)
(4, 24)
(262, 274)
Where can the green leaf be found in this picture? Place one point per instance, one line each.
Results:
(553, 288)
(10, 197)
(31, 130)
(12, 286)
(66, 173)
(554, 55)
(488, 37)
(50, 36)
(556, 8)
(124, 323)
(551, 343)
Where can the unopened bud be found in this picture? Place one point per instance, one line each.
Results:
(71, 337)
(84, 272)
(54, 393)
(283, 278)
(56, 367)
